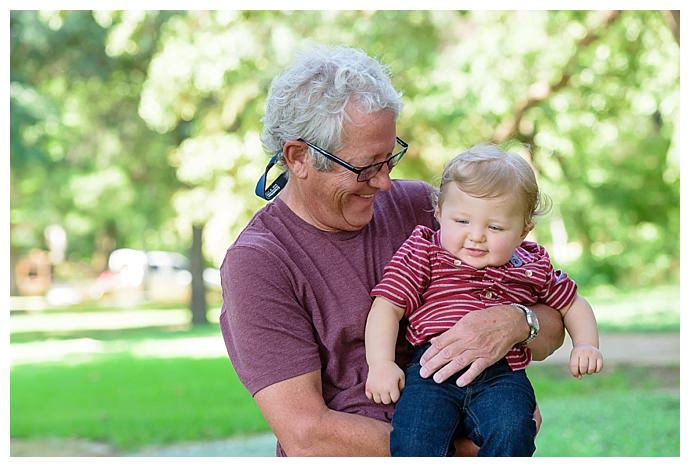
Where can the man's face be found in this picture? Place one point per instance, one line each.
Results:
(335, 200)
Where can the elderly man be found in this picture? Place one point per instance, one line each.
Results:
(296, 282)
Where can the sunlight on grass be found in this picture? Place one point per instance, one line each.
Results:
(190, 347)
(70, 352)
(77, 351)
(656, 309)
(120, 319)
(100, 320)
(69, 338)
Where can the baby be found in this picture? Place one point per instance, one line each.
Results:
(478, 258)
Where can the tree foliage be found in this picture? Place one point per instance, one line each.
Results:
(134, 126)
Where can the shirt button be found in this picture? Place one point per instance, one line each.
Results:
(528, 273)
(457, 262)
(489, 295)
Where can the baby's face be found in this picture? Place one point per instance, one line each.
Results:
(481, 231)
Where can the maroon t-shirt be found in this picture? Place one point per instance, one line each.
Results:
(296, 299)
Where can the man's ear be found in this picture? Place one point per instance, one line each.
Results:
(296, 158)
(528, 228)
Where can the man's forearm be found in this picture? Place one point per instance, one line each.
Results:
(296, 412)
(551, 332)
(345, 434)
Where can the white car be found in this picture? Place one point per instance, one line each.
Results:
(134, 276)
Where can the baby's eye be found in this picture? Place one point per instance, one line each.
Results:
(495, 228)
(462, 221)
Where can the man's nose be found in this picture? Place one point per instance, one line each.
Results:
(382, 179)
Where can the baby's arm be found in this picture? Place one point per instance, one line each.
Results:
(581, 324)
(385, 379)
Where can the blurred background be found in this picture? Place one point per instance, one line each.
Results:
(133, 156)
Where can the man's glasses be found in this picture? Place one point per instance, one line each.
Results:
(363, 173)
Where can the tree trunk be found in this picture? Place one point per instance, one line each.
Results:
(14, 257)
(196, 265)
(673, 21)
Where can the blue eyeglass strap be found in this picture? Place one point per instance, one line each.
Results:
(269, 193)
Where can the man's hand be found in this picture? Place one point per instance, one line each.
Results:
(478, 340)
(384, 382)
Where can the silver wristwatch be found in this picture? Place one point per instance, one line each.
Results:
(532, 322)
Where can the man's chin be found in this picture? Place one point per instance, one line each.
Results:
(360, 220)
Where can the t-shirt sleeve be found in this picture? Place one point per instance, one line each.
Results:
(268, 335)
(559, 290)
(407, 274)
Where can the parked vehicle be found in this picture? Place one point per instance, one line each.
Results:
(134, 276)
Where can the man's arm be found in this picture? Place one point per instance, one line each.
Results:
(483, 337)
(305, 426)
(551, 332)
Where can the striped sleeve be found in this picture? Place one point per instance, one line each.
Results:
(408, 273)
(559, 290)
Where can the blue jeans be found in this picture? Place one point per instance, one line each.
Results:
(495, 411)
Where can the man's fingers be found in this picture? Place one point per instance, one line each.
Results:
(449, 370)
(537, 417)
(444, 363)
(472, 372)
(430, 352)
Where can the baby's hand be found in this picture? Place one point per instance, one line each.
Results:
(585, 359)
(384, 383)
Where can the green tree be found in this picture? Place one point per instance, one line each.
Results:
(80, 155)
(156, 117)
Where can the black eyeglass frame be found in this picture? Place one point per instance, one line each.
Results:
(270, 192)
(360, 170)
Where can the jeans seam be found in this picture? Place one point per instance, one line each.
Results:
(475, 422)
(451, 438)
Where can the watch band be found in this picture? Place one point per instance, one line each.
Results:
(532, 322)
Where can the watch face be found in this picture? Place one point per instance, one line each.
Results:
(534, 322)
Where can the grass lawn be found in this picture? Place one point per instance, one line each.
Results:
(132, 402)
(645, 310)
(624, 411)
(137, 378)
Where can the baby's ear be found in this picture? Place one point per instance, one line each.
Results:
(528, 228)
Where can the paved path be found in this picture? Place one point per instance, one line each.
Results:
(263, 445)
(642, 349)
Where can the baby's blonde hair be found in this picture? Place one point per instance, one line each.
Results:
(486, 171)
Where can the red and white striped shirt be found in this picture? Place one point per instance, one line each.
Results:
(436, 289)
